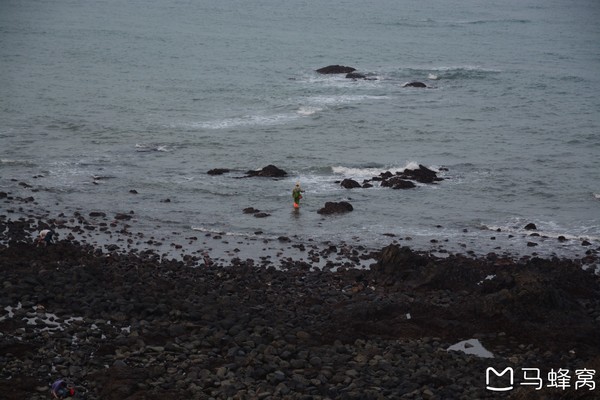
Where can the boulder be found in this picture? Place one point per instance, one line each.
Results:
(350, 184)
(530, 227)
(270, 171)
(334, 208)
(336, 69)
(422, 175)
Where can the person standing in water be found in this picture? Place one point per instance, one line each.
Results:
(297, 195)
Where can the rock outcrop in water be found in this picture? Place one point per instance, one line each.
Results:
(270, 171)
(415, 84)
(218, 171)
(349, 184)
(336, 69)
(336, 208)
(400, 180)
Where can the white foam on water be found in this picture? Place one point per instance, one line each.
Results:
(467, 67)
(369, 172)
(244, 121)
(146, 147)
(343, 99)
(10, 161)
(228, 233)
(308, 110)
(545, 229)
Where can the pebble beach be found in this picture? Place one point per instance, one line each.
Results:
(297, 321)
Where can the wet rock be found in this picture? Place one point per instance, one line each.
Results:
(415, 84)
(123, 217)
(336, 208)
(421, 175)
(336, 69)
(530, 227)
(218, 171)
(403, 179)
(269, 171)
(97, 214)
(397, 182)
(350, 184)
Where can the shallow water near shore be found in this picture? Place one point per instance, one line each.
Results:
(104, 98)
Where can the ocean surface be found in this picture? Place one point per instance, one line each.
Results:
(98, 98)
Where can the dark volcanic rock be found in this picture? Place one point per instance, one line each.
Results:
(218, 171)
(400, 263)
(530, 227)
(336, 69)
(334, 208)
(269, 171)
(415, 84)
(350, 184)
(397, 182)
(402, 179)
(422, 175)
(140, 326)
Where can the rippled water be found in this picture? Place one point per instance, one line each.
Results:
(99, 98)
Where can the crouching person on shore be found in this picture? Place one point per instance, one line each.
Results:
(61, 390)
(45, 237)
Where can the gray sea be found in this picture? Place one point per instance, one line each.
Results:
(98, 98)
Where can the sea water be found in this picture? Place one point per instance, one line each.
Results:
(101, 98)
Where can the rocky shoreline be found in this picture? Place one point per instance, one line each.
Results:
(134, 325)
